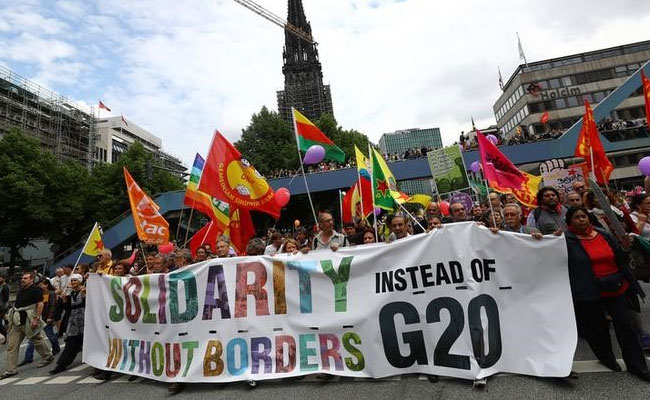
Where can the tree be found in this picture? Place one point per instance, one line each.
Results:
(27, 174)
(344, 139)
(43, 198)
(268, 143)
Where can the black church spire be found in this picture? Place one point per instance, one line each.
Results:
(303, 76)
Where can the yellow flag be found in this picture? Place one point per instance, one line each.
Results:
(94, 244)
(420, 199)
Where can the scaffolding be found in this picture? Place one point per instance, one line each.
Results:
(62, 127)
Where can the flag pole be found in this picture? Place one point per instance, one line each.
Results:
(180, 219)
(363, 214)
(372, 189)
(84, 248)
(412, 217)
(341, 209)
(144, 257)
(189, 221)
(591, 157)
(302, 167)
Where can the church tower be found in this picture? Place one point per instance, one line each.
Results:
(303, 76)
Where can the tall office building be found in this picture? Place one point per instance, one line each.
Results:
(558, 86)
(303, 75)
(398, 142)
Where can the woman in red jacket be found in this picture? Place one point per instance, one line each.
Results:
(601, 280)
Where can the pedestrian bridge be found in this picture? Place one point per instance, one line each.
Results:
(562, 147)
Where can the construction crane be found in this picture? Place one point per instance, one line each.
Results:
(263, 12)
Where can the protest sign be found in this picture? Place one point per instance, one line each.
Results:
(424, 304)
(555, 174)
(448, 169)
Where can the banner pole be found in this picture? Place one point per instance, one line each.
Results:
(83, 248)
(372, 189)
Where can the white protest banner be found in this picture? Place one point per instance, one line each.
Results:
(459, 301)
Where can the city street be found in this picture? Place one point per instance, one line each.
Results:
(594, 382)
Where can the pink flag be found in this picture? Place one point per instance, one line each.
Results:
(497, 168)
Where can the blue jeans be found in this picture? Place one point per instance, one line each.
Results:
(49, 332)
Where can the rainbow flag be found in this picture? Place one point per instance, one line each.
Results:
(215, 209)
(309, 135)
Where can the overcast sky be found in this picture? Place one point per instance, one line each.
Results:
(184, 68)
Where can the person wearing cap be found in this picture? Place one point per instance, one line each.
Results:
(75, 330)
(25, 321)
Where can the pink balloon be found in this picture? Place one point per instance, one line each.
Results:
(314, 154)
(165, 248)
(282, 197)
(492, 139)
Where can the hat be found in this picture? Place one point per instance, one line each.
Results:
(77, 277)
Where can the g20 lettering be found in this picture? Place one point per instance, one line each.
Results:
(442, 355)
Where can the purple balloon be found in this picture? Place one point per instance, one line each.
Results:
(377, 210)
(475, 167)
(492, 139)
(314, 154)
(644, 165)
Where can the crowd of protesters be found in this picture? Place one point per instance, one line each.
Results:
(604, 287)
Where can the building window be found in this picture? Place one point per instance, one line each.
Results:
(572, 101)
(555, 83)
(560, 103)
(566, 81)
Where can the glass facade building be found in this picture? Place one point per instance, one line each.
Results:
(399, 141)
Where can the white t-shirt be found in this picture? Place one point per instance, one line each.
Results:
(646, 227)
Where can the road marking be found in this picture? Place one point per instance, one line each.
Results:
(33, 380)
(7, 381)
(80, 368)
(62, 380)
(90, 379)
(591, 366)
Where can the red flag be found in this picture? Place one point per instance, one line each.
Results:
(102, 105)
(646, 95)
(241, 229)
(589, 143)
(123, 120)
(352, 201)
(229, 177)
(544, 118)
(206, 235)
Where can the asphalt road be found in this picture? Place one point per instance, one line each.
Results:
(594, 382)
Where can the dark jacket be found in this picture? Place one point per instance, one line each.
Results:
(581, 275)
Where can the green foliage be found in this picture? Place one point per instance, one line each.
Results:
(42, 198)
(269, 143)
(344, 139)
